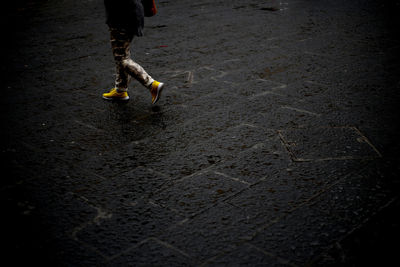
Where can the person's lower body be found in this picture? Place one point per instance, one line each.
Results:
(126, 69)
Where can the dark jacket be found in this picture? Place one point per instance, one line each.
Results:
(125, 14)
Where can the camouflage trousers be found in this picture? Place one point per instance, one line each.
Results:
(125, 66)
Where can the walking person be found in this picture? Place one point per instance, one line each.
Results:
(125, 19)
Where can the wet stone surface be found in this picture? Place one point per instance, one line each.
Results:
(198, 193)
(152, 252)
(327, 144)
(275, 142)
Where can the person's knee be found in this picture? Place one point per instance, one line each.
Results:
(126, 62)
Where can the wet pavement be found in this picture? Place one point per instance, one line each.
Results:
(275, 142)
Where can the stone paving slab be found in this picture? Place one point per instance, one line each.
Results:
(216, 227)
(307, 244)
(152, 252)
(130, 224)
(198, 193)
(338, 143)
(246, 253)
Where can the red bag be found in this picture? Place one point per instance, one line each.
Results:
(150, 8)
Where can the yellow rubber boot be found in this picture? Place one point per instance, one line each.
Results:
(114, 95)
(155, 90)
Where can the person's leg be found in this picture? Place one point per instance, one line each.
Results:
(137, 72)
(126, 67)
(120, 45)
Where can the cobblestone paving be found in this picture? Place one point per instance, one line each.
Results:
(274, 144)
